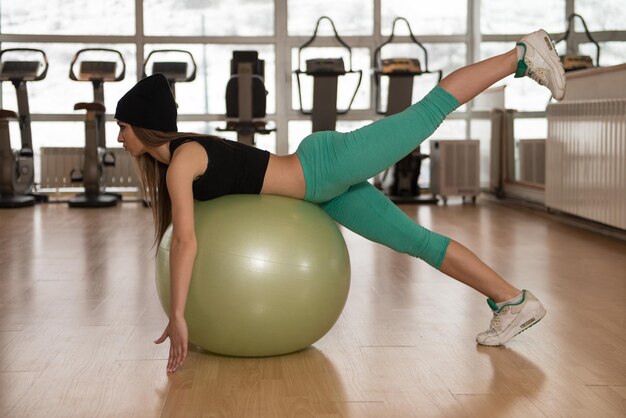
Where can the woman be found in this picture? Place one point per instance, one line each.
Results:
(330, 169)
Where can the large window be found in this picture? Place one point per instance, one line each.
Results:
(208, 18)
(212, 30)
(445, 17)
(611, 53)
(57, 93)
(513, 16)
(351, 17)
(602, 14)
(68, 17)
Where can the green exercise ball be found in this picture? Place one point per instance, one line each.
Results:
(271, 275)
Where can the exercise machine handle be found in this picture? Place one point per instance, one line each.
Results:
(310, 41)
(75, 58)
(376, 57)
(191, 77)
(566, 35)
(339, 112)
(350, 70)
(41, 75)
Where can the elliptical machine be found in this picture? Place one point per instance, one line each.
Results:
(401, 72)
(246, 97)
(96, 156)
(325, 72)
(174, 71)
(17, 175)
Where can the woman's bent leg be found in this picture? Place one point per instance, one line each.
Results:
(464, 266)
(366, 211)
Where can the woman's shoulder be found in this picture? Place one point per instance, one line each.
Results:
(189, 157)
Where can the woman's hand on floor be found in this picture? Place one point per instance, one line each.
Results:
(177, 332)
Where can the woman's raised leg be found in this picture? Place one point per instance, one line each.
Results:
(337, 161)
(467, 82)
(533, 56)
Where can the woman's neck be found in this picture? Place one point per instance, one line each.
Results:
(161, 153)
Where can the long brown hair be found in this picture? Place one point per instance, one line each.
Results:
(152, 174)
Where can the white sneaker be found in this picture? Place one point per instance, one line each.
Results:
(512, 319)
(541, 63)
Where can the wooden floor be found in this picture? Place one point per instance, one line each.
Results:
(79, 312)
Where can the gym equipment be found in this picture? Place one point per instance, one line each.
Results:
(17, 175)
(271, 275)
(325, 73)
(174, 71)
(455, 169)
(573, 61)
(246, 97)
(404, 187)
(96, 156)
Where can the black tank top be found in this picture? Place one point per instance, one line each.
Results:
(233, 168)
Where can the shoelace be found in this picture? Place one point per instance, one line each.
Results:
(538, 75)
(497, 317)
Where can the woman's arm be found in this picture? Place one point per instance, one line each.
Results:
(183, 245)
(180, 174)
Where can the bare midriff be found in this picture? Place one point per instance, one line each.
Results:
(284, 177)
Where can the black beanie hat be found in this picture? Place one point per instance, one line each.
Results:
(149, 104)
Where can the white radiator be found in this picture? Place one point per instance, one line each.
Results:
(586, 160)
(455, 168)
(532, 157)
(58, 162)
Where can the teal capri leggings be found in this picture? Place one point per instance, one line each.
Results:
(337, 166)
